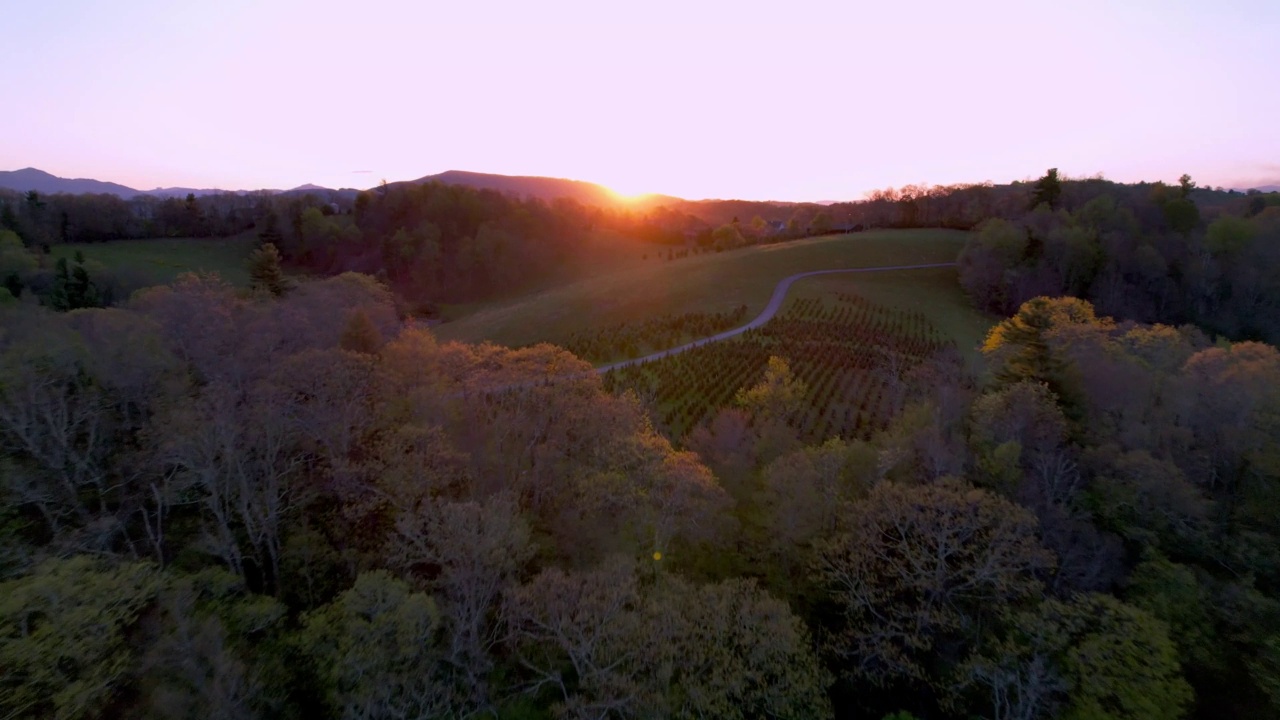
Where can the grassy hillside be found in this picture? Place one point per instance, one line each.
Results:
(546, 188)
(161, 260)
(709, 283)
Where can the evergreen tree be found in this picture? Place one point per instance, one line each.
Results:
(1019, 347)
(193, 218)
(1047, 190)
(264, 270)
(15, 262)
(72, 286)
(8, 219)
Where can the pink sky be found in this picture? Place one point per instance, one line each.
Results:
(796, 100)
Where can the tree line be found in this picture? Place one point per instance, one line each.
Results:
(42, 220)
(965, 206)
(436, 242)
(430, 242)
(1149, 251)
(1147, 254)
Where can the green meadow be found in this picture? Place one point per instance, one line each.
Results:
(721, 282)
(160, 260)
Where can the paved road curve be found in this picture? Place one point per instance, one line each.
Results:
(775, 303)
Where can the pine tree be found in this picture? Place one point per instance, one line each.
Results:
(265, 272)
(1047, 190)
(72, 286)
(1024, 342)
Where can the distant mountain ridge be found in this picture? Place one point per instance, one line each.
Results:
(28, 179)
(183, 192)
(712, 212)
(523, 186)
(543, 188)
(32, 179)
(1272, 186)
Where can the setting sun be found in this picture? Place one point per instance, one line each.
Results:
(630, 198)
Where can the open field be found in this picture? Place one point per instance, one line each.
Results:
(609, 253)
(711, 283)
(160, 260)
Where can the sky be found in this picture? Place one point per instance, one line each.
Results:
(796, 100)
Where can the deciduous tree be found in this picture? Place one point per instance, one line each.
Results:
(614, 645)
(66, 650)
(1091, 657)
(918, 570)
(377, 652)
(468, 553)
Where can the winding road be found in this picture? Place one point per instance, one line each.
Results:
(775, 303)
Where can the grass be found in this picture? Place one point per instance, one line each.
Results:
(161, 260)
(607, 253)
(706, 283)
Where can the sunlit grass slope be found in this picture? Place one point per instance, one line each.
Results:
(713, 283)
(160, 260)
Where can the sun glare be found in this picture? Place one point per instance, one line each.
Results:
(628, 197)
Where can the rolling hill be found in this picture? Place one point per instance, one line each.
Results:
(544, 188)
(721, 282)
(49, 184)
(713, 212)
(43, 182)
(709, 211)
(181, 192)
